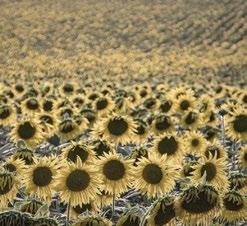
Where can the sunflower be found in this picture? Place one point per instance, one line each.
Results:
(150, 103)
(31, 105)
(78, 150)
(243, 157)
(116, 128)
(31, 206)
(198, 205)
(78, 183)
(154, 175)
(68, 129)
(103, 105)
(169, 144)
(162, 123)
(187, 168)
(214, 171)
(138, 153)
(141, 132)
(14, 218)
(194, 142)
(7, 114)
(15, 166)
(19, 89)
(68, 89)
(104, 199)
(24, 154)
(236, 125)
(234, 207)
(9, 185)
(48, 105)
(115, 173)
(92, 220)
(101, 147)
(162, 212)
(90, 115)
(29, 131)
(238, 182)
(122, 104)
(48, 123)
(191, 119)
(214, 149)
(211, 133)
(67, 112)
(78, 101)
(166, 106)
(185, 102)
(43, 221)
(75, 211)
(206, 104)
(39, 178)
(129, 219)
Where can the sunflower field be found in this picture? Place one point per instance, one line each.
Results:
(123, 112)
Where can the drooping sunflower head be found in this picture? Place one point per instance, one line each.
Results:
(24, 154)
(68, 129)
(8, 188)
(141, 131)
(162, 212)
(31, 206)
(170, 145)
(237, 125)
(166, 106)
(29, 131)
(150, 103)
(101, 147)
(238, 182)
(115, 172)
(7, 114)
(92, 220)
(90, 115)
(138, 153)
(214, 149)
(116, 128)
(14, 218)
(82, 208)
(162, 123)
(198, 204)
(234, 207)
(78, 101)
(15, 166)
(48, 105)
(243, 157)
(129, 219)
(187, 169)
(191, 119)
(211, 134)
(78, 150)
(43, 221)
(48, 123)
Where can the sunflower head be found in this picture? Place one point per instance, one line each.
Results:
(14, 218)
(24, 154)
(31, 206)
(238, 182)
(162, 123)
(6, 114)
(101, 147)
(78, 150)
(43, 221)
(68, 129)
(138, 153)
(92, 220)
(162, 212)
(129, 219)
(28, 131)
(198, 203)
(243, 157)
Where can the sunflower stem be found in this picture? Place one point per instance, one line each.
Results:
(68, 214)
(113, 204)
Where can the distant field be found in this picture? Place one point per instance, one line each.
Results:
(128, 38)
